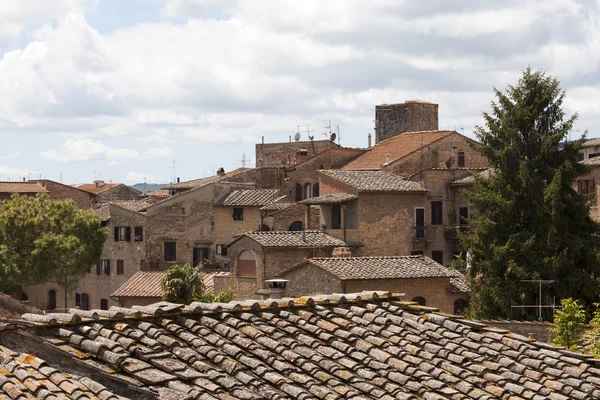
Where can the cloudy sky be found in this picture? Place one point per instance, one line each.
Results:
(118, 89)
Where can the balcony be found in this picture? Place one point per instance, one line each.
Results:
(451, 231)
(424, 233)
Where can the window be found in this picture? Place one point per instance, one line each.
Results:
(420, 300)
(182, 210)
(238, 214)
(105, 267)
(308, 191)
(298, 192)
(436, 213)
(103, 223)
(51, 299)
(586, 186)
(77, 300)
(85, 301)
(316, 190)
(438, 256)
(461, 159)
(580, 156)
(419, 223)
(200, 254)
(170, 251)
(246, 265)
(297, 226)
(122, 233)
(138, 233)
(104, 304)
(221, 250)
(336, 216)
(460, 305)
(120, 267)
(463, 218)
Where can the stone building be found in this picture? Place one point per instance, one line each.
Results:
(240, 175)
(7, 189)
(258, 256)
(411, 116)
(286, 154)
(84, 200)
(288, 216)
(368, 345)
(106, 192)
(419, 278)
(382, 212)
(121, 258)
(586, 185)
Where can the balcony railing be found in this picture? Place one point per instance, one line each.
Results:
(423, 233)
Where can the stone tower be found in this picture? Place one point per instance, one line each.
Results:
(411, 116)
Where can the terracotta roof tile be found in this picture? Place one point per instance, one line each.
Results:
(92, 188)
(367, 345)
(331, 198)
(291, 239)
(21, 187)
(592, 142)
(398, 267)
(250, 198)
(374, 181)
(397, 147)
(470, 180)
(142, 284)
(207, 180)
(277, 206)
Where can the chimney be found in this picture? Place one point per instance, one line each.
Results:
(341, 252)
(276, 288)
(387, 159)
(221, 171)
(178, 180)
(303, 235)
(24, 179)
(369, 140)
(99, 183)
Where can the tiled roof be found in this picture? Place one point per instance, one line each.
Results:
(21, 187)
(25, 376)
(397, 147)
(592, 142)
(470, 180)
(209, 279)
(142, 284)
(206, 181)
(91, 187)
(353, 346)
(458, 284)
(103, 212)
(331, 198)
(277, 206)
(135, 205)
(250, 198)
(291, 239)
(396, 267)
(374, 181)
(159, 194)
(592, 161)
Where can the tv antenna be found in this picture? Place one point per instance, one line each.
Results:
(540, 306)
(308, 131)
(174, 170)
(244, 160)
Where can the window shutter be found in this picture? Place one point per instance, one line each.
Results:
(298, 192)
(592, 186)
(128, 234)
(316, 190)
(116, 233)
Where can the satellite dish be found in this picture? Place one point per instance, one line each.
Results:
(297, 137)
(332, 137)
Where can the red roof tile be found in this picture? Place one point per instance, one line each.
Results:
(21, 187)
(142, 284)
(397, 147)
(92, 188)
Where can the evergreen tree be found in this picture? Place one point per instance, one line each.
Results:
(529, 222)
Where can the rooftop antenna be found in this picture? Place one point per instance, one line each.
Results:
(244, 160)
(308, 131)
(339, 138)
(540, 306)
(174, 172)
(61, 177)
(145, 187)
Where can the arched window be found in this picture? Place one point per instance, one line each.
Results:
(51, 299)
(24, 297)
(298, 192)
(85, 301)
(460, 305)
(297, 226)
(420, 300)
(246, 265)
(77, 300)
(308, 191)
(316, 190)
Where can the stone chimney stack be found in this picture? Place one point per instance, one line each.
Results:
(221, 171)
(411, 116)
(369, 141)
(277, 288)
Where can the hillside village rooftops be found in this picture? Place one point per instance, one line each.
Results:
(21, 188)
(368, 268)
(394, 148)
(207, 180)
(368, 345)
(374, 181)
(291, 239)
(250, 198)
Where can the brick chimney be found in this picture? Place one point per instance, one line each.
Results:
(221, 171)
(277, 288)
(99, 183)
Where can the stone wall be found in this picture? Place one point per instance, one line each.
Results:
(538, 330)
(101, 286)
(310, 280)
(594, 175)
(59, 191)
(411, 116)
(271, 154)
(119, 192)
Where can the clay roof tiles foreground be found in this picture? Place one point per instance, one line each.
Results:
(291, 239)
(397, 147)
(365, 345)
(395, 267)
(21, 187)
(374, 181)
(250, 198)
(24, 376)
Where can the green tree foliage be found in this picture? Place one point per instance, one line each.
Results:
(182, 284)
(529, 222)
(43, 240)
(224, 297)
(569, 324)
(594, 332)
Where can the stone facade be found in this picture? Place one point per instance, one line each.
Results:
(124, 260)
(272, 154)
(84, 200)
(589, 184)
(118, 192)
(411, 116)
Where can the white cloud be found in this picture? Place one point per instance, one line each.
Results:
(137, 177)
(11, 156)
(83, 150)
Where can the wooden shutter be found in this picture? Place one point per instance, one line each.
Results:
(116, 233)
(298, 192)
(128, 234)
